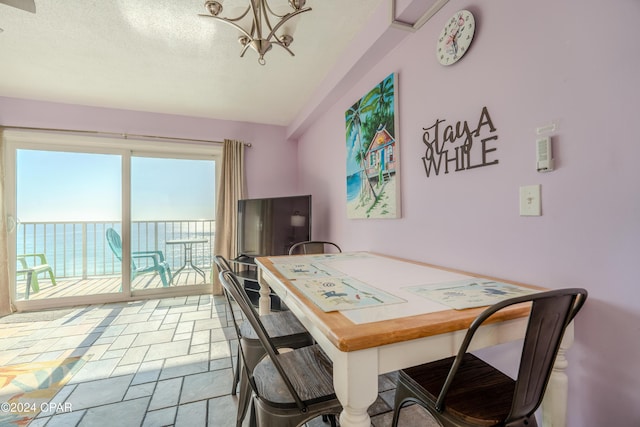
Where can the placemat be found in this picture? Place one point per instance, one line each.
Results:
(343, 293)
(468, 293)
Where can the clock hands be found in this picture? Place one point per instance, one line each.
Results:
(452, 39)
(452, 42)
(455, 37)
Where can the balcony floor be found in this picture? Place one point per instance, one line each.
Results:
(71, 287)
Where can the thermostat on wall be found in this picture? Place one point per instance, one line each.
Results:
(544, 154)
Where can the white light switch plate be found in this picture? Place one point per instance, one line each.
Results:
(530, 200)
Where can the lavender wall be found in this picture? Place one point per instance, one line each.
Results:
(269, 144)
(575, 63)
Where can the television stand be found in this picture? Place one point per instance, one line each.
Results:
(245, 269)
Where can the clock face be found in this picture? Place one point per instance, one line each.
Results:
(455, 37)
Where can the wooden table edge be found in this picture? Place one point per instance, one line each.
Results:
(348, 336)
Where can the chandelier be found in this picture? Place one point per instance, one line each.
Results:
(261, 34)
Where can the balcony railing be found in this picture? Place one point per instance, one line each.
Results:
(80, 249)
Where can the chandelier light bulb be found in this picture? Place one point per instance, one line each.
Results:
(297, 4)
(214, 7)
(286, 40)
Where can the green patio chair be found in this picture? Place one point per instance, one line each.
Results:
(30, 270)
(159, 265)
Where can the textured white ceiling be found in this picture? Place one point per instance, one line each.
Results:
(160, 56)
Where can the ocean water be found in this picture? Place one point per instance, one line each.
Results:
(354, 183)
(81, 249)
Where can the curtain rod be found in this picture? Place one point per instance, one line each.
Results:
(120, 135)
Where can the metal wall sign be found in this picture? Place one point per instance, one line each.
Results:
(457, 147)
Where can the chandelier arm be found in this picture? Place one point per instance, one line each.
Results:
(238, 18)
(246, 11)
(285, 19)
(284, 47)
(272, 12)
(228, 22)
(244, 50)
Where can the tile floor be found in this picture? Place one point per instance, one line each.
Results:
(162, 362)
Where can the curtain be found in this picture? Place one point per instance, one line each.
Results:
(231, 189)
(5, 295)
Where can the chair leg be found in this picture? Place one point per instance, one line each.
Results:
(170, 275)
(28, 285)
(401, 398)
(244, 398)
(331, 419)
(35, 285)
(252, 415)
(163, 277)
(236, 374)
(396, 415)
(51, 276)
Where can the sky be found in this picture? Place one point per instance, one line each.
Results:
(62, 186)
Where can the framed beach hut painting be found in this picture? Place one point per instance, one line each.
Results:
(373, 187)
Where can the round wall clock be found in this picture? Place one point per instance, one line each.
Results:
(455, 37)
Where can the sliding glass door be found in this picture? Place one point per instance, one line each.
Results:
(172, 220)
(81, 210)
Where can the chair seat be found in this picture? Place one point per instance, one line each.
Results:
(159, 267)
(465, 391)
(32, 271)
(278, 324)
(35, 269)
(309, 370)
(289, 388)
(480, 394)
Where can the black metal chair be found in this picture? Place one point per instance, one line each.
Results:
(289, 387)
(283, 327)
(466, 391)
(223, 265)
(313, 247)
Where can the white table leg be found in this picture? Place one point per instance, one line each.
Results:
(264, 303)
(355, 378)
(554, 404)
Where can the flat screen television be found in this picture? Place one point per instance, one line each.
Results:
(269, 226)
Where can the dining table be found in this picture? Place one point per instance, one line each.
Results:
(374, 314)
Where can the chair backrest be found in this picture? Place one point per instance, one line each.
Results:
(228, 295)
(115, 243)
(551, 312)
(313, 247)
(232, 286)
(221, 263)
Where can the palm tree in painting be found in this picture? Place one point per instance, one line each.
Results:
(382, 114)
(354, 118)
(383, 96)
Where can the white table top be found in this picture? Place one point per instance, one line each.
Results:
(373, 326)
